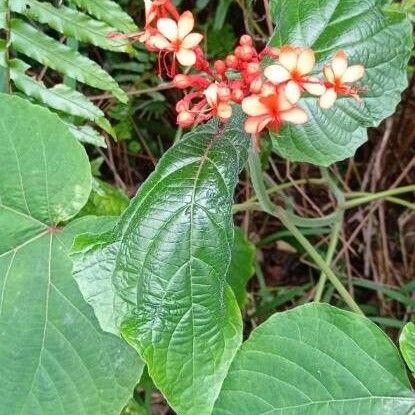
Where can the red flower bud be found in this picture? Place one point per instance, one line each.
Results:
(220, 67)
(181, 81)
(237, 95)
(256, 85)
(246, 53)
(231, 62)
(246, 40)
(182, 106)
(185, 119)
(224, 93)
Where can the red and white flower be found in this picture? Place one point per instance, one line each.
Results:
(176, 37)
(293, 69)
(270, 112)
(339, 74)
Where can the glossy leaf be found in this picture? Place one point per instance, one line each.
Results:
(379, 40)
(407, 345)
(108, 11)
(54, 358)
(70, 22)
(316, 360)
(162, 270)
(46, 50)
(242, 267)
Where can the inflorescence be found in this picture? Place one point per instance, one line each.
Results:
(269, 95)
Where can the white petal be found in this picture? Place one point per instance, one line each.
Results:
(186, 57)
(159, 42)
(283, 103)
(353, 73)
(211, 94)
(192, 40)
(288, 58)
(293, 92)
(276, 74)
(314, 87)
(328, 73)
(224, 111)
(252, 106)
(328, 99)
(295, 116)
(306, 61)
(254, 125)
(185, 24)
(167, 27)
(339, 64)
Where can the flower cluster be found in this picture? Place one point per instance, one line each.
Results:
(269, 97)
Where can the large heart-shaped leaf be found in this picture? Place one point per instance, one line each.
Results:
(316, 360)
(379, 40)
(162, 271)
(54, 359)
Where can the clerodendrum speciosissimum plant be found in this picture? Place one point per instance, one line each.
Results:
(268, 96)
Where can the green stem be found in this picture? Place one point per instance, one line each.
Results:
(278, 212)
(362, 197)
(334, 239)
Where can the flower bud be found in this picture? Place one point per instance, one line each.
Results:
(185, 119)
(220, 67)
(182, 106)
(237, 95)
(246, 40)
(253, 68)
(246, 53)
(224, 93)
(256, 85)
(231, 62)
(181, 81)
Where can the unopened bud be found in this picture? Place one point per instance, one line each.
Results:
(246, 40)
(185, 119)
(246, 53)
(182, 106)
(220, 67)
(231, 61)
(224, 93)
(181, 81)
(253, 68)
(256, 85)
(237, 95)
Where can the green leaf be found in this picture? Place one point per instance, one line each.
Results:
(105, 200)
(59, 97)
(379, 40)
(162, 270)
(86, 134)
(71, 22)
(54, 358)
(60, 57)
(242, 267)
(316, 360)
(407, 345)
(108, 11)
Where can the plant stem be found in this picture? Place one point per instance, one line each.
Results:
(362, 197)
(278, 212)
(334, 239)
